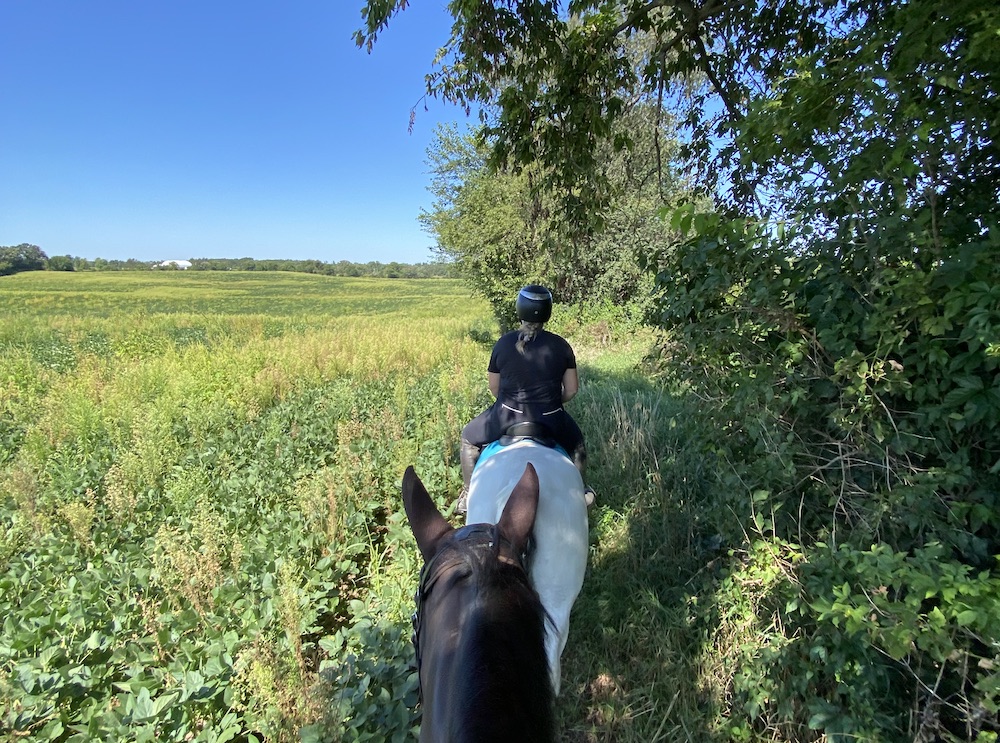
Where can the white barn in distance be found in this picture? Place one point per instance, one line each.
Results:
(179, 264)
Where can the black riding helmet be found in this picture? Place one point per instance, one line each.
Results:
(534, 304)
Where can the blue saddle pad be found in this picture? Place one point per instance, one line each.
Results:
(490, 449)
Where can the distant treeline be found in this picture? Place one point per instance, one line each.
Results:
(25, 257)
(374, 269)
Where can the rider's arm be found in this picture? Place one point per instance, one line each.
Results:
(570, 384)
(494, 382)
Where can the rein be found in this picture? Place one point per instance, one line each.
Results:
(487, 537)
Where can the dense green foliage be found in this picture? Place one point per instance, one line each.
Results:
(23, 257)
(865, 423)
(502, 228)
(835, 305)
(60, 263)
(852, 323)
(483, 222)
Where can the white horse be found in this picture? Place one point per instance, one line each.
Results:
(558, 560)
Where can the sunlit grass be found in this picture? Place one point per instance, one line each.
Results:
(180, 422)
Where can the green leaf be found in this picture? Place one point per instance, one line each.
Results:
(967, 617)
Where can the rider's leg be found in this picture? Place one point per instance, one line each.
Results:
(468, 454)
(579, 456)
(477, 430)
(568, 434)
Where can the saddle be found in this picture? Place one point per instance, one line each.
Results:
(523, 431)
(537, 432)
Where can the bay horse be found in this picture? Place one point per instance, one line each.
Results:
(560, 541)
(479, 629)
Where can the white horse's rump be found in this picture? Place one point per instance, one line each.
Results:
(559, 558)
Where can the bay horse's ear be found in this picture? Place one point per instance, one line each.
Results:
(519, 514)
(426, 521)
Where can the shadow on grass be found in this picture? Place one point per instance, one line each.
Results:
(482, 336)
(634, 668)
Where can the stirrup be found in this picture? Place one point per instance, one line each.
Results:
(589, 496)
(462, 504)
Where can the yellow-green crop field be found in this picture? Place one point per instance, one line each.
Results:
(200, 531)
(196, 473)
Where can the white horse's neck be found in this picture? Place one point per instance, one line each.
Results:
(559, 559)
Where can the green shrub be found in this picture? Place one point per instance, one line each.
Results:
(860, 397)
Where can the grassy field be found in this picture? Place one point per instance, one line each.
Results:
(202, 535)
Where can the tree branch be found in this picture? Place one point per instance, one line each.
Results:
(633, 19)
(693, 17)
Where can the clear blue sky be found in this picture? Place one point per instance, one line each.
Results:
(170, 129)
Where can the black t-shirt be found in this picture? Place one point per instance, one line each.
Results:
(534, 378)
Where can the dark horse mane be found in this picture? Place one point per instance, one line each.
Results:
(504, 686)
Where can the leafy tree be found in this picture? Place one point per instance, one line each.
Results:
(60, 263)
(553, 85)
(482, 221)
(854, 258)
(852, 272)
(503, 229)
(23, 257)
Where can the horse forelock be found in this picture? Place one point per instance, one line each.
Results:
(505, 688)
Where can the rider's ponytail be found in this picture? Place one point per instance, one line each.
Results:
(527, 334)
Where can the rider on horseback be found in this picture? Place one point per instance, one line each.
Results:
(532, 373)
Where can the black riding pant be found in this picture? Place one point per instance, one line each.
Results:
(490, 425)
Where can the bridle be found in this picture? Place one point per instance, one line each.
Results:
(486, 536)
